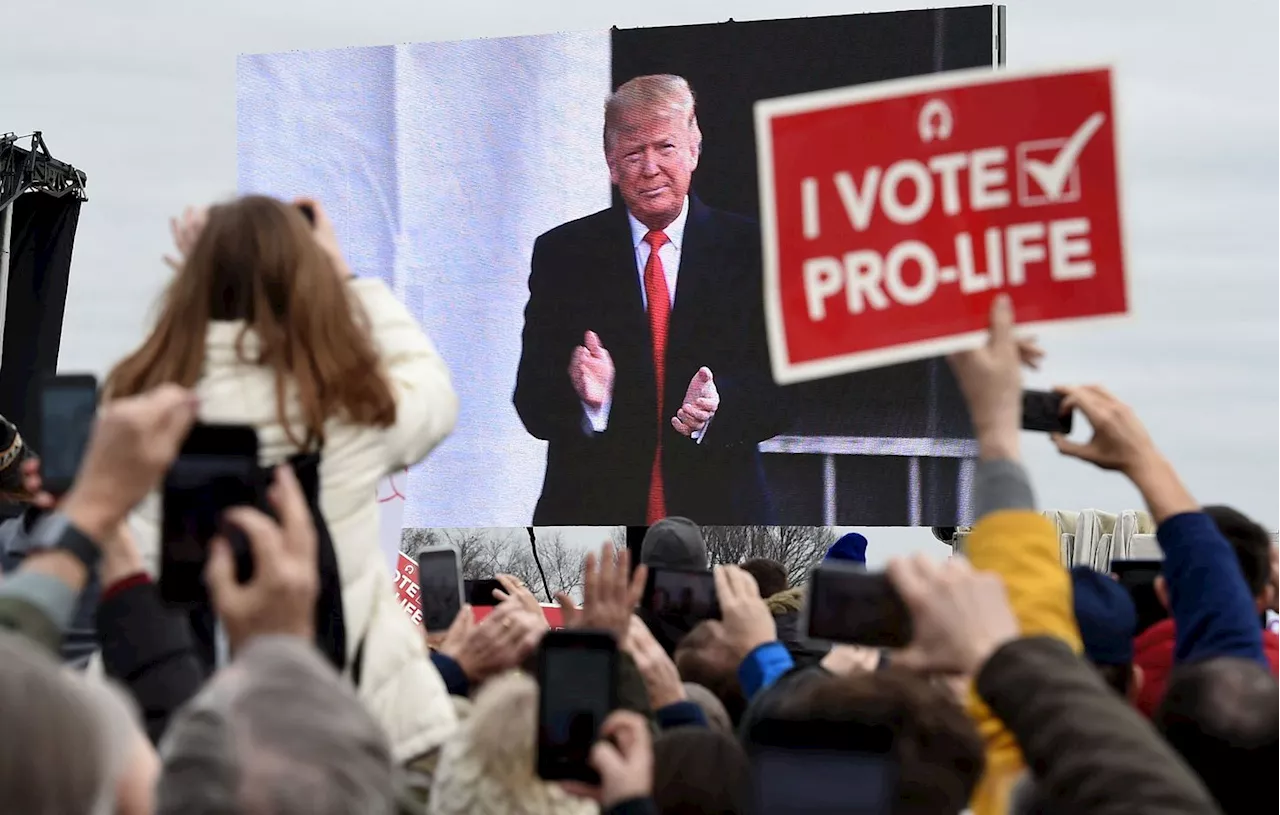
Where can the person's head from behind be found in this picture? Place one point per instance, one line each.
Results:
(835, 737)
(705, 657)
(69, 745)
(276, 732)
(1252, 545)
(1221, 716)
(698, 770)
(770, 575)
(717, 717)
(258, 261)
(674, 543)
(1108, 623)
(652, 143)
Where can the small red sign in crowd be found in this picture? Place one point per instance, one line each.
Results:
(406, 581)
(893, 213)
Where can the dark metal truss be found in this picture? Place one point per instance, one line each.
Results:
(33, 169)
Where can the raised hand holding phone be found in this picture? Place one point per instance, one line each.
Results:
(624, 758)
(281, 596)
(660, 675)
(748, 623)
(577, 690)
(960, 617)
(133, 443)
(68, 404)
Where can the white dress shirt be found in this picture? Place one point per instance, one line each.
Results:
(597, 419)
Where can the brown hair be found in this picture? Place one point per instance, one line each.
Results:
(698, 771)
(770, 575)
(704, 657)
(257, 260)
(937, 748)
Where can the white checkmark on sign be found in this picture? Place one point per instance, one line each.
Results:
(1052, 175)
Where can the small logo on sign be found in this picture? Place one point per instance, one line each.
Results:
(1049, 171)
(935, 121)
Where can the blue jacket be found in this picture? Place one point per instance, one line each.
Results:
(1213, 612)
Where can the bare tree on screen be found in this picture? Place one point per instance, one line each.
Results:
(473, 546)
(797, 548)
(487, 552)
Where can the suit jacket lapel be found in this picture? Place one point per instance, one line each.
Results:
(634, 323)
(694, 257)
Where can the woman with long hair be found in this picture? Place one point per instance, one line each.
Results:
(265, 321)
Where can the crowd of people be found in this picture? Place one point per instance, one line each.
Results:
(305, 689)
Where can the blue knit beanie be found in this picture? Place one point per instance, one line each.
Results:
(1106, 616)
(851, 547)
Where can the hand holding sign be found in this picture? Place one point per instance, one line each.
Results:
(893, 213)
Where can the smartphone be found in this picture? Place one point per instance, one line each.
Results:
(1042, 413)
(846, 603)
(68, 405)
(439, 586)
(1138, 577)
(480, 592)
(577, 689)
(846, 769)
(216, 469)
(690, 595)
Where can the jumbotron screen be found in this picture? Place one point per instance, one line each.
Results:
(573, 219)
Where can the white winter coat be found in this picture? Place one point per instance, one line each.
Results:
(398, 681)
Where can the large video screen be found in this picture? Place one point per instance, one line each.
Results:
(573, 219)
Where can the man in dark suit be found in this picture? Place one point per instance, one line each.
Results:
(644, 364)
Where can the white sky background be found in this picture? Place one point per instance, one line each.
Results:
(140, 94)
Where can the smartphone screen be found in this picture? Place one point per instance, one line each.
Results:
(809, 766)
(1042, 413)
(439, 586)
(689, 595)
(823, 781)
(849, 604)
(480, 592)
(1138, 577)
(68, 405)
(216, 469)
(578, 688)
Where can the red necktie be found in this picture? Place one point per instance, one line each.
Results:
(655, 291)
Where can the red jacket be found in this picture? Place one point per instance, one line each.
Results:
(1153, 653)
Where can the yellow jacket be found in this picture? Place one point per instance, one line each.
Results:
(1022, 547)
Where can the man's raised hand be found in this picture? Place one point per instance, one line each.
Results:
(701, 401)
(591, 372)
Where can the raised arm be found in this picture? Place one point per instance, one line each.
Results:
(1212, 609)
(1010, 539)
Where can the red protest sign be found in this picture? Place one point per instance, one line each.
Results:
(407, 587)
(892, 214)
(550, 612)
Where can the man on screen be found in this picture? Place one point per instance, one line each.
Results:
(644, 364)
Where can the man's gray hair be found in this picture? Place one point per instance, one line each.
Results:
(276, 732)
(58, 738)
(665, 94)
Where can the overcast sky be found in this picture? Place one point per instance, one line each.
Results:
(140, 94)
